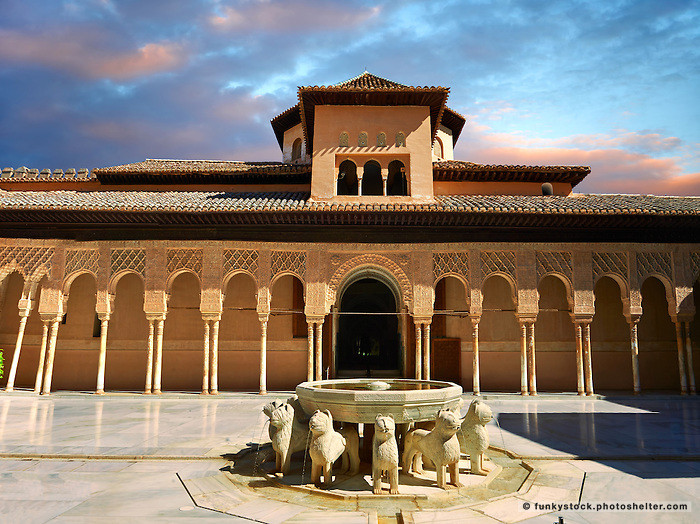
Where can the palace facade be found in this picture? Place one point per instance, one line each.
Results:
(368, 251)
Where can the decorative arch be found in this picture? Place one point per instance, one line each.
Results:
(362, 139)
(668, 288)
(619, 279)
(509, 279)
(381, 139)
(396, 181)
(344, 140)
(116, 277)
(568, 286)
(347, 178)
(372, 183)
(70, 278)
(228, 276)
(30, 262)
(438, 148)
(400, 139)
(296, 150)
(172, 276)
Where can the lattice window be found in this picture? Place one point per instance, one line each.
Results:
(381, 140)
(444, 263)
(185, 259)
(653, 262)
(607, 263)
(695, 265)
(132, 259)
(292, 261)
(82, 259)
(235, 259)
(400, 140)
(344, 140)
(28, 259)
(362, 140)
(554, 262)
(498, 262)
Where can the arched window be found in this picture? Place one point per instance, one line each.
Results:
(381, 140)
(362, 141)
(437, 147)
(344, 140)
(296, 149)
(372, 179)
(396, 183)
(347, 178)
(400, 140)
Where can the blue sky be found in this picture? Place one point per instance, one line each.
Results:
(611, 84)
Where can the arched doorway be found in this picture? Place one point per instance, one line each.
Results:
(368, 341)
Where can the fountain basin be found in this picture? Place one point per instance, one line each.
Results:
(357, 400)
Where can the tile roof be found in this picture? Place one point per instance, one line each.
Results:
(367, 80)
(22, 174)
(458, 171)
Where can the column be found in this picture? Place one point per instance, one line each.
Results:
(319, 350)
(23, 315)
(523, 358)
(50, 357)
(588, 368)
(419, 352)
(681, 358)
(42, 357)
(689, 356)
(104, 324)
(426, 351)
(309, 350)
(634, 346)
(359, 185)
(476, 387)
(214, 384)
(263, 354)
(580, 382)
(385, 178)
(149, 359)
(531, 351)
(205, 359)
(158, 371)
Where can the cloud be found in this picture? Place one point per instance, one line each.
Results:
(87, 55)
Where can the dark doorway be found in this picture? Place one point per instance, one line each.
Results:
(368, 344)
(372, 179)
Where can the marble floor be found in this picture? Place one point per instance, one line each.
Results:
(74, 457)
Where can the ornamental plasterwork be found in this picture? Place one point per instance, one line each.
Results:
(497, 262)
(554, 262)
(695, 265)
(289, 261)
(29, 261)
(179, 259)
(82, 260)
(241, 259)
(450, 263)
(607, 263)
(653, 262)
(128, 259)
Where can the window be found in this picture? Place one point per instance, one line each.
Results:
(372, 183)
(400, 140)
(347, 178)
(381, 140)
(437, 147)
(396, 182)
(344, 140)
(296, 149)
(362, 141)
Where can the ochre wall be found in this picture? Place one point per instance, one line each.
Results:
(497, 188)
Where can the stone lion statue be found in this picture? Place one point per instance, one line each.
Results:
(385, 454)
(440, 445)
(327, 445)
(287, 433)
(473, 437)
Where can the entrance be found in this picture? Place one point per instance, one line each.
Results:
(368, 341)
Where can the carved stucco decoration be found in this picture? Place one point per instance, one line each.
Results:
(497, 262)
(609, 263)
(554, 262)
(370, 260)
(654, 263)
(82, 260)
(128, 260)
(241, 259)
(190, 259)
(450, 263)
(31, 262)
(289, 262)
(695, 265)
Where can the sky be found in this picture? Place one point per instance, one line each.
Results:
(613, 84)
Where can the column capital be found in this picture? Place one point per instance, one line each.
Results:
(103, 316)
(263, 317)
(155, 316)
(633, 319)
(526, 319)
(211, 316)
(581, 319)
(475, 319)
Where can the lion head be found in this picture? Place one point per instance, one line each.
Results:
(321, 421)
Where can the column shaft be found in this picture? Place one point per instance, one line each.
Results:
(149, 359)
(263, 356)
(158, 369)
(531, 352)
(42, 357)
(523, 358)
(634, 346)
(580, 380)
(50, 357)
(310, 351)
(319, 350)
(104, 325)
(419, 352)
(214, 385)
(18, 347)
(689, 356)
(426, 351)
(681, 359)
(588, 367)
(476, 379)
(205, 360)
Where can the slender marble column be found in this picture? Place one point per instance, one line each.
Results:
(634, 346)
(50, 357)
(689, 356)
(158, 368)
(263, 355)
(580, 381)
(426, 351)
(681, 359)
(149, 359)
(419, 352)
(214, 385)
(523, 358)
(319, 350)
(588, 367)
(205, 359)
(476, 379)
(310, 351)
(531, 353)
(42, 357)
(104, 325)
(24, 314)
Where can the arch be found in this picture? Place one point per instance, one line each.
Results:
(451, 295)
(228, 276)
(372, 183)
(396, 182)
(173, 276)
(400, 139)
(116, 277)
(668, 290)
(508, 278)
(362, 139)
(69, 279)
(438, 148)
(347, 178)
(381, 139)
(344, 140)
(568, 286)
(296, 149)
(620, 280)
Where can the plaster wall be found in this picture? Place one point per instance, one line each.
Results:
(288, 141)
(497, 188)
(445, 136)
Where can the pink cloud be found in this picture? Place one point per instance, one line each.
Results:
(84, 55)
(288, 16)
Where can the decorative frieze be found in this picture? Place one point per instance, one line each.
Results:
(289, 261)
(450, 263)
(82, 260)
(554, 262)
(179, 259)
(241, 259)
(611, 262)
(497, 262)
(654, 262)
(370, 259)
(29, 261)
(695, 265)
(128, 260)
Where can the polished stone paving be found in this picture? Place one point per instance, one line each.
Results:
(74, 457)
